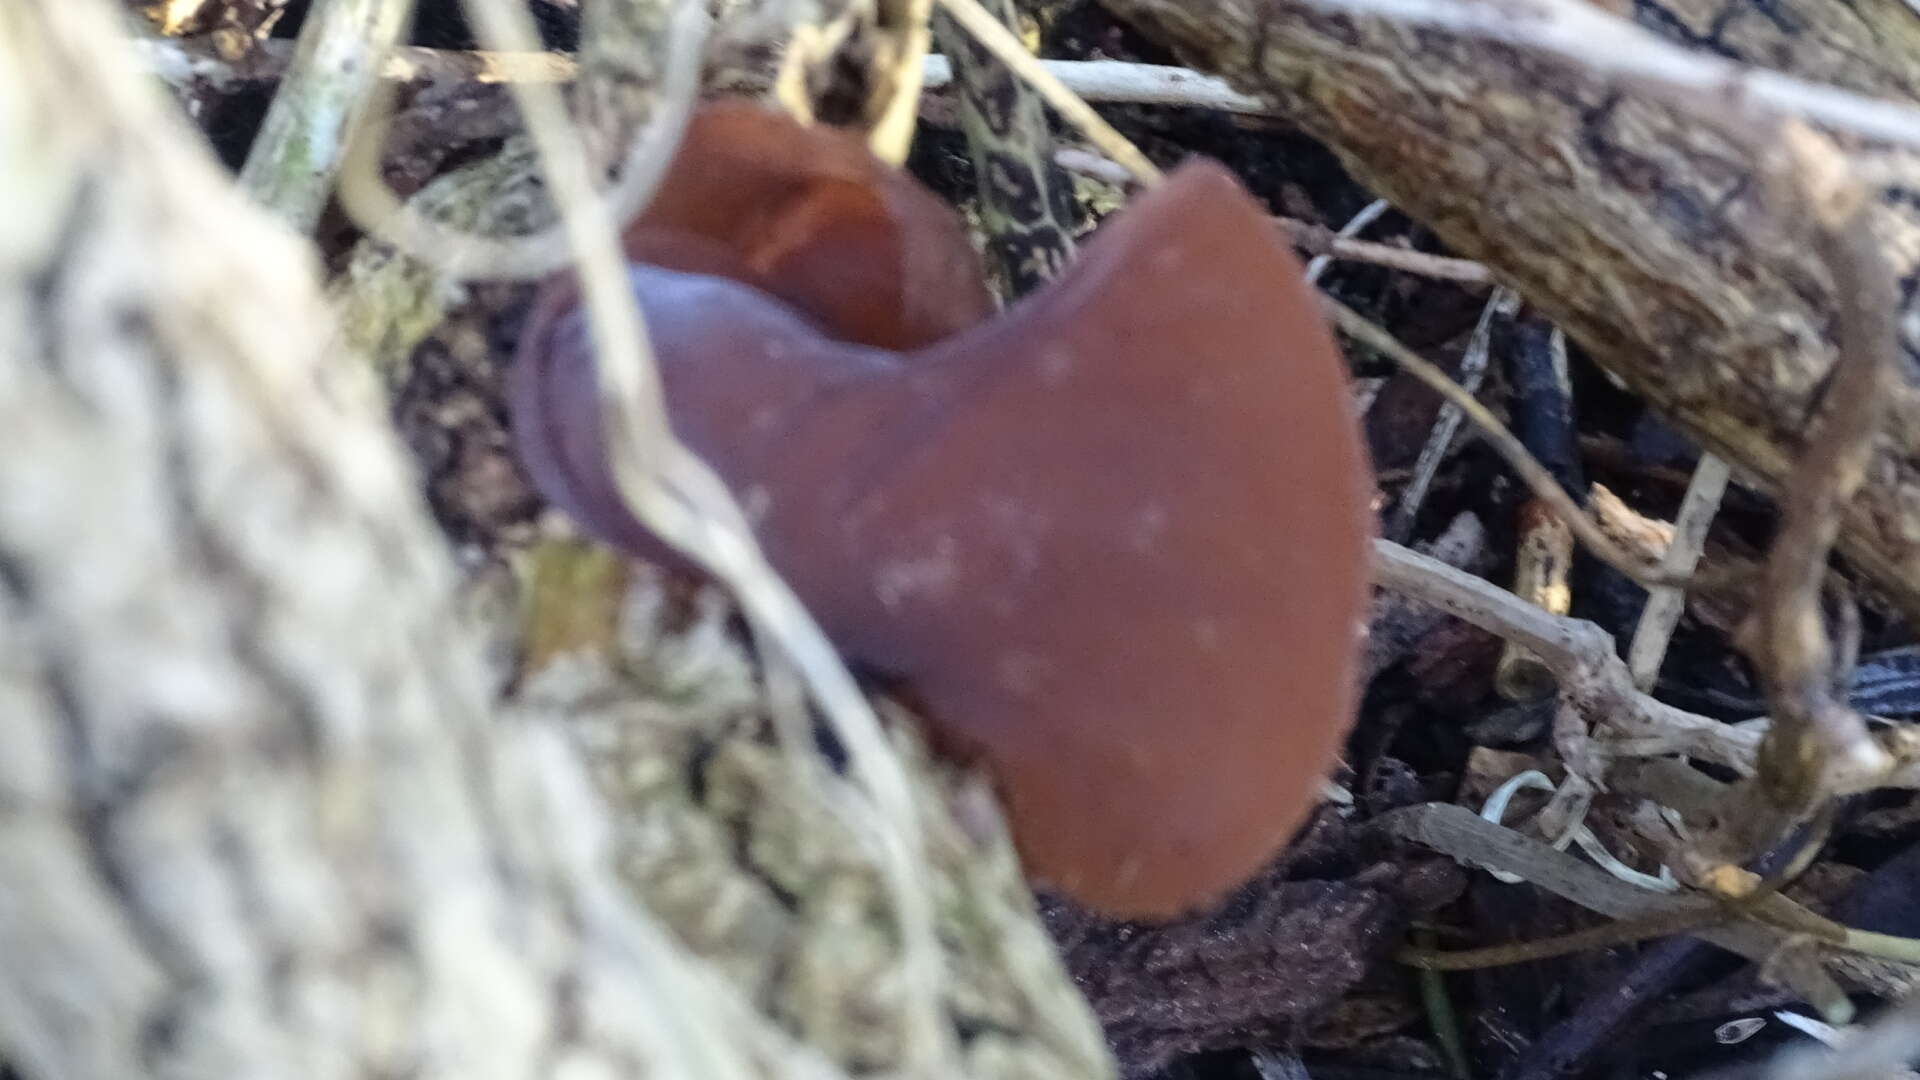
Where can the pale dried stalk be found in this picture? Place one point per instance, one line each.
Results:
(1129, 83)
(297, 155)
(909, 39)
(1595, 681)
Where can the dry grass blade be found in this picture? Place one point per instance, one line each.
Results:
(1665, 606)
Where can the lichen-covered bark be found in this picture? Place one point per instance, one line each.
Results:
(1026, 201)
(735, 850)
(260, 811)
(1632, 226)
(256, 814)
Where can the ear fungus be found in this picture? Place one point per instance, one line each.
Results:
(817, 221)
(1114, 540)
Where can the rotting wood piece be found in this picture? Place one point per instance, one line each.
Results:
(1627, 223)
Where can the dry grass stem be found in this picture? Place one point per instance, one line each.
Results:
(1665, 606)
(327, 89)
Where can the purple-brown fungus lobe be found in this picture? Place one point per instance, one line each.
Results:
(1114, 539)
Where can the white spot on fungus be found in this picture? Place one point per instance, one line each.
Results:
(929, 576)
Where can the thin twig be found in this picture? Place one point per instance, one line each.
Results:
(1590, 35)
(1504, 442)
(1319, 241)
(1665, 606)
(1473, 368)
(1368, 214)
(1322, 243)
(367, 199)
(1544, 548)
(302, 142)
(1594, 683)
(1125, 82)
(1002, 42)
(1592, 677)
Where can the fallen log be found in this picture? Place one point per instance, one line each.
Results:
(1619, 215)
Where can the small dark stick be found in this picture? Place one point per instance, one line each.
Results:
(1544, 421)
